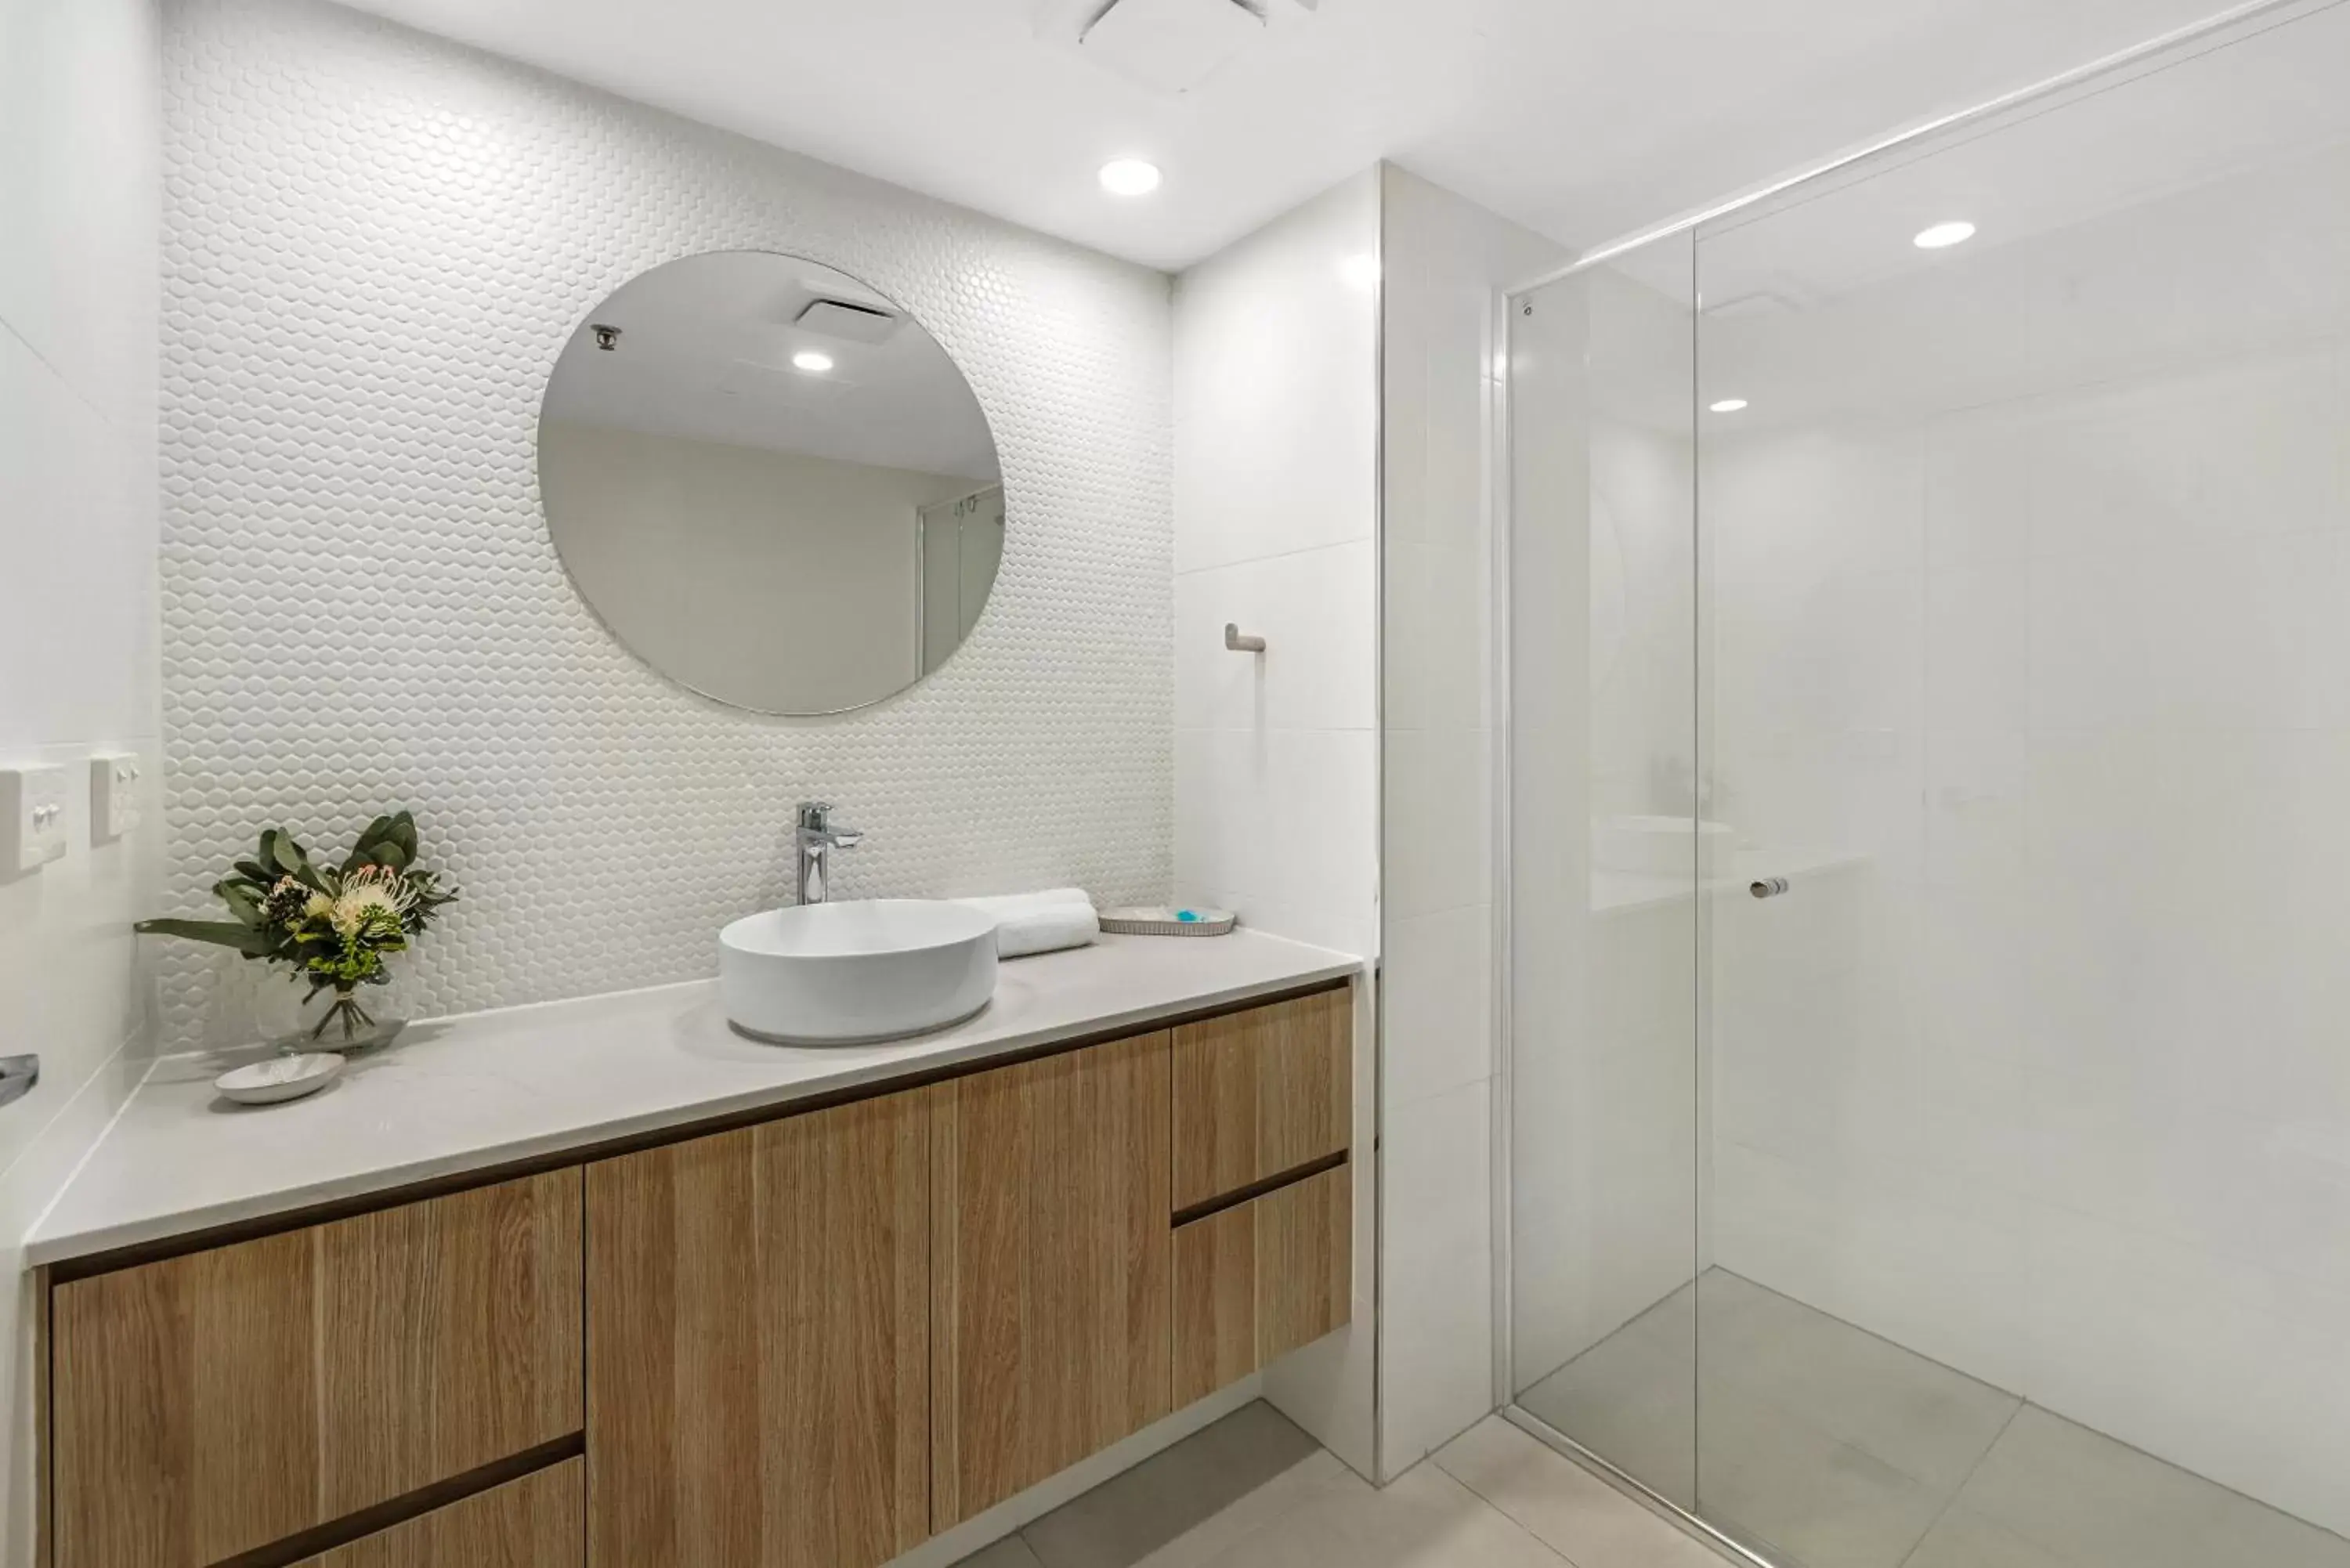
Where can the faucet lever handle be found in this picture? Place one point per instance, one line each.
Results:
(816, 816)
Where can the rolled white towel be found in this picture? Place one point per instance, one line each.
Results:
(1041, 922)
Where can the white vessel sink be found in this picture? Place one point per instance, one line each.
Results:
(836, 974)
(1658, 845)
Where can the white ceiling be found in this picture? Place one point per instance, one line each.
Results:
(1581, 118)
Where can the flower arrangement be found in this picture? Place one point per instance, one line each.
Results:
(332, 926)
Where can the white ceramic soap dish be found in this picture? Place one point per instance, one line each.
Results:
(1162, 920)
(279, 1078)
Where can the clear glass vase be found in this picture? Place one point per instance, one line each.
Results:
(344, 1020)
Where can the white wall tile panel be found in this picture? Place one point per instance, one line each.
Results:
(376, 244)
(1276, 755)
(2050, 1087)
(1442, 260)
(80, 134)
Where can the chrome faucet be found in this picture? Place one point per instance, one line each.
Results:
(816, 839)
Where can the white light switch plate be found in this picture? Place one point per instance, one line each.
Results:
(32, 817)
(113, 795)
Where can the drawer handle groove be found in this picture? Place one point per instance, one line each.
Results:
(320, 1538)
(1259, 1187)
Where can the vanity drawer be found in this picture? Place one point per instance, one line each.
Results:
(1260, 1092)
(209, 1403)
(533, 1523)
(1260, 1279)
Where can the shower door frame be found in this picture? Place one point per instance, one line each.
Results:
(2176, 46)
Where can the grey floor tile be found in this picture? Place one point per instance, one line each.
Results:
(1962, 1538)
(1926, 1420)
(1424, 1519)
(1765, 1474)
(1206, 1486)
(2085, 1497)
(2101, 1503)
(1573, 1511)
(1631, 1399)
(1009, 1553)
(1820, 1443)
(2251, 1531)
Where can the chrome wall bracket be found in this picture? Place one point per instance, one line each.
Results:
(17, 1076)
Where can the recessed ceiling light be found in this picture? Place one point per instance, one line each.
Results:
(1728, 405)
(813, 360)
(1129, 177)
(1941, 236)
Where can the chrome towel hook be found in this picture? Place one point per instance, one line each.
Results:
(17, 1075)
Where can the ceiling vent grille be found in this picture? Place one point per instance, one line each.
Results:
(845, 319)
(1172, 46)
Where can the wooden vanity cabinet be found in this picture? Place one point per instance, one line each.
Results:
(531, 1522)
(1051, 1267)
(811, 1342)
(209, 1403)
(1260, 1279)
(758, 1355)
(1261, 1094)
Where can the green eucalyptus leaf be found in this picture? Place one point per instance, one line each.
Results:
(220, 933)
(363, 848)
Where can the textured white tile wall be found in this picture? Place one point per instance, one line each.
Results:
(376, 244)
(1442, 260)
(1276, 756)
(79, 116)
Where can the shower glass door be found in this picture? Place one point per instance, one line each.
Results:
(1608, 1094)
(1929, 872)
(2027, 622)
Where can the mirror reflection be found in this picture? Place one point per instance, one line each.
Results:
(771, 483)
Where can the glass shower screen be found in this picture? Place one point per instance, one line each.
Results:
(1930, 816)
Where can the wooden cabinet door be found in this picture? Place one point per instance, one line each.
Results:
(532, 1522)
(1261, 1093)
(1051, 1253)
(1260, 1279)
(209, 1404)
(758, 1344)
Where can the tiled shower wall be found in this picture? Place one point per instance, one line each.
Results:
(2051, 1088)
(1442, 260)
(376, 243)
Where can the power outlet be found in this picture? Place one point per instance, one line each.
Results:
(113, 795)
(32, 818)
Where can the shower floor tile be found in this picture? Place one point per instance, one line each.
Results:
(1828, 1446)
(2089, 1502)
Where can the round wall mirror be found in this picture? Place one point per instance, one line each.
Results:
(770, 482)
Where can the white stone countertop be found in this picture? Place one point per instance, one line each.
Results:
(464, 1094)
